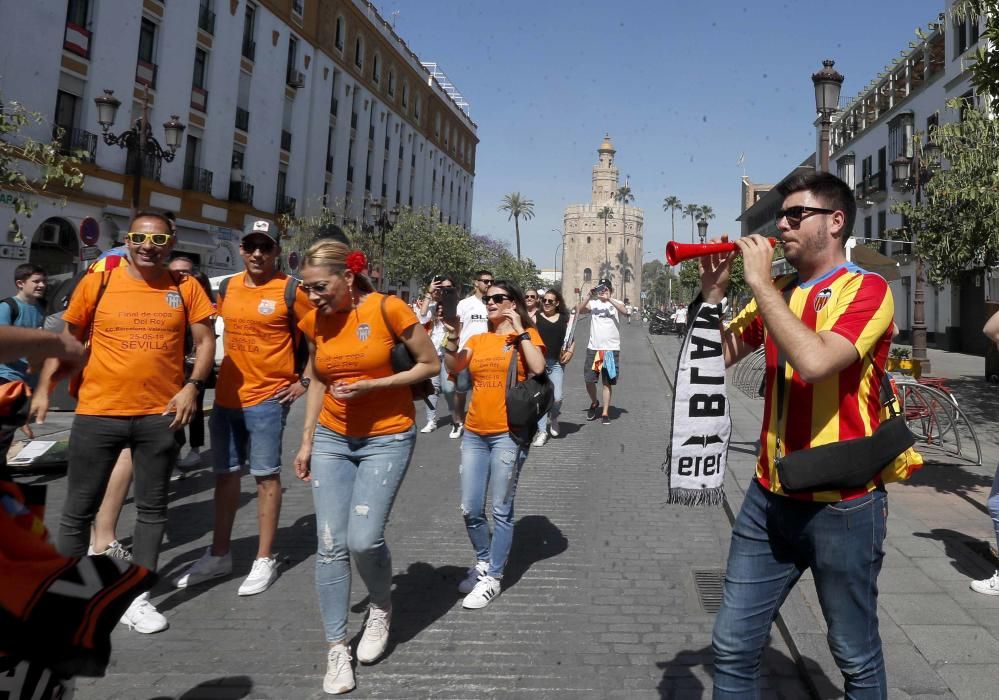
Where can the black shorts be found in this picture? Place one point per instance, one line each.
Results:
(590, 377)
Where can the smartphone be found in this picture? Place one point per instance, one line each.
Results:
(449, 302)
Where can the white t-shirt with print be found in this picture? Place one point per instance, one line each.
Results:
(605, 333)
(472, 314)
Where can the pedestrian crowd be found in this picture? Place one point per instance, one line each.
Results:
(356, 357)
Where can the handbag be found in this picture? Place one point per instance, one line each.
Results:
(402, 360)
(526, 402)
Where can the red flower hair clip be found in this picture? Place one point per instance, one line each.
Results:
(356, 262)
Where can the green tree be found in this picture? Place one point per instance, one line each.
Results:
(706, 212)
(690, 279)
(985, 69)
(691, 211)
(606, 214)
(29, 166)
(956, 226)
(627, 271)
(672, 204)
(517, 207)
(624, 196)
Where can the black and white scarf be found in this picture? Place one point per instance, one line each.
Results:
(701, 429)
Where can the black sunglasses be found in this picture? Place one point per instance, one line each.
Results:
(496, 298)
(550, 301)
(530, 296)
(796, 214)
(263, 246)
(486, 281)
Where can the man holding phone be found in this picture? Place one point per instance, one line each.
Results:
(471, 313)
(603, 352)
(439, 303)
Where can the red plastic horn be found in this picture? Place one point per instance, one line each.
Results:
(678, 252)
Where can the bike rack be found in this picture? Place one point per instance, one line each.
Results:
(937, 421)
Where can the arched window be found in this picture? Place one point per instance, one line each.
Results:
(587, 274)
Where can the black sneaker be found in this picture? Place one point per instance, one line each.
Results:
(605, 420)
(593, 411)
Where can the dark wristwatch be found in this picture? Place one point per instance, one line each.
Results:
(523, 336)
(198, 384)
(305, 381)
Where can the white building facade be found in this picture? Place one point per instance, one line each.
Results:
(288, 105)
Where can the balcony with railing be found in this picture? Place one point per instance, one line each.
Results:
(151, 165)
(249, 48)
(145, 73)
(206, 19)
(199, 99)
(240, 191)
(874, 187)
(77, 40)
(198, 179)
(285, 140)
(242, 119)
(285, 205)
(77, 142)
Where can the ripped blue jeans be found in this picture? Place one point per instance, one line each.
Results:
(354, 483)
(492, 461)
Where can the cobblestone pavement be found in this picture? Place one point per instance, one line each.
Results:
(599, 598)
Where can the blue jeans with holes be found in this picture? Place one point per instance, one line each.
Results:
(555, 373)
(354, 484)
(493, 462)
(774, 540)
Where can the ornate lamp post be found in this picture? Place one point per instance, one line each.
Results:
(827, 83)
(383, 221)
(702, 229)
(910, 173)
(557, 248)
(138, 141)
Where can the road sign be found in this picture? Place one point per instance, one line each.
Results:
(13, 252)
(89, 231)
(89, 252)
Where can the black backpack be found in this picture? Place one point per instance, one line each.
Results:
(301, 348)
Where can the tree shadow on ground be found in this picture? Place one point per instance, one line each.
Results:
(783, 676)
(968, 555)
(225, 688)
(293, 545)
(952, 478)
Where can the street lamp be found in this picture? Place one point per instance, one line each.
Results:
(138, 141)
(702, 229)
(910, 174)
(828, 83)
(383, 221)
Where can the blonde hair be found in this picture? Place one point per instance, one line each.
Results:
(332, 255)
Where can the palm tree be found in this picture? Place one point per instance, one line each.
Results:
(606, 214)
(706, 212)
(672, 204)
(518, 207)
(692, 210)
(623, 196)
(626, 269)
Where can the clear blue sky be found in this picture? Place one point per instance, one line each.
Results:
(682, 87)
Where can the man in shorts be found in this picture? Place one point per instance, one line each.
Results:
(603, 352)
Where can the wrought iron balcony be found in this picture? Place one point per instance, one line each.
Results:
(198, 179)
(151, 165)
(285, 140)
(206, 19)
(241, 192)
(285, 205)
(242, 119)
(77, 142)
(249, 48)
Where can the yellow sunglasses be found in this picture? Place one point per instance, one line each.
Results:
(140, 237)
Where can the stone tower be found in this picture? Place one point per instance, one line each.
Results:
(589, 254)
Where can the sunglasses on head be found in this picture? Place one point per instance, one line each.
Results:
(262, 246)
(496, 298)
(140, 237)
(796, 214)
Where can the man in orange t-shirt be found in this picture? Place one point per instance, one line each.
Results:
(133, 393)
(258, 381)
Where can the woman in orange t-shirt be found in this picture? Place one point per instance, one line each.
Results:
(489, 456)
(358, 439)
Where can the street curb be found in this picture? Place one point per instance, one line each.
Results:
(795, 613)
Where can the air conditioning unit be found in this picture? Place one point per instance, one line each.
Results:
(296, 79)
(49, 234)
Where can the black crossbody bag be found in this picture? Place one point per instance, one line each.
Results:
(526, 402)
(844, 465)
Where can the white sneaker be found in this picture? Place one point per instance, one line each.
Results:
(553, 427)
(988, 586)
(115, 550)
(376, 633)
(339, 674)
(205, 569)
(456, 430)
(540, 439)
(480, 569)
(143, 617)
(263, 573)
(430, 427)
(484, 592)
(192, 460)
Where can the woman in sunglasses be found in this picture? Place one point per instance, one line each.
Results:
(532, 303)
(490, 458)
(357, 441)
(553, 322)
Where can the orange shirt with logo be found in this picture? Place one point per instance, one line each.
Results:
(355, 345)
(259, 350)
(136, 362)
(489, 366)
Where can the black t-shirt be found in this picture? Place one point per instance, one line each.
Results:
(552, 333)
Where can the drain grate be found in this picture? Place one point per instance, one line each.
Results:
(709, 583)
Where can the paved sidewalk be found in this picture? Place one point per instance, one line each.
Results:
(940, 636)
(600, 598)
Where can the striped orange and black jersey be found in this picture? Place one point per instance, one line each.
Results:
(858, 306)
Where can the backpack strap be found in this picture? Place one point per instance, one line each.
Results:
(299, 346)
(511, 371)
(105, 281)
(223, 286)
(15, 310)
(395, 338)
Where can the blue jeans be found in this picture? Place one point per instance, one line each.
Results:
(492, 461)
(354, 483)
(443, 384)
(774, 540)
(993, 504)
(555, 373)
(249, 434)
